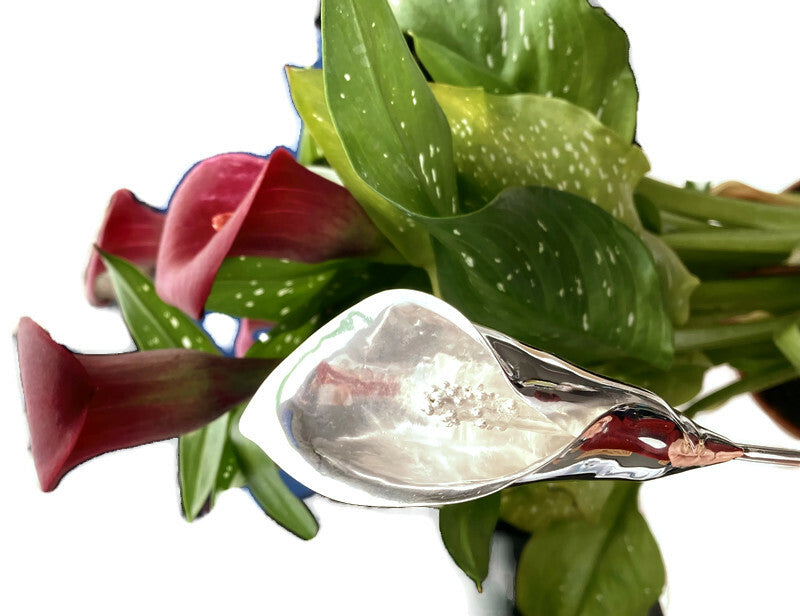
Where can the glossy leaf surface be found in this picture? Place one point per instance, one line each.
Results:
(267, 487)
(467, 530)
(561, 48)
(607, 567)
(556, 272)
(526, 139)
(308, 94)
(390, 125)
(536, 506)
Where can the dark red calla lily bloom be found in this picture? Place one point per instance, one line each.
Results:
(81, 406)
(131, 230)
(241, 204)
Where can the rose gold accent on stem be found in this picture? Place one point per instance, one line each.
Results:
(685, 453)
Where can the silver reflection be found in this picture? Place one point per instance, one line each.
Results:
(403, 401)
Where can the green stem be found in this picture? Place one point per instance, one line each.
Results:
(735, 240)
(671, 223)
(721, 336)
(742, 295)
(770, 377)
(703, 206)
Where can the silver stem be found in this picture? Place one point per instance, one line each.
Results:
(771, 455)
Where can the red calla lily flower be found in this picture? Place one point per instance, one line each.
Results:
(131, 230)
(81, 406)
(246, 334)
(241, 204)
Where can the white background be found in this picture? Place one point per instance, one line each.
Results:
(102, 95)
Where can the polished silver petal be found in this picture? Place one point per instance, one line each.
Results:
(402, 401)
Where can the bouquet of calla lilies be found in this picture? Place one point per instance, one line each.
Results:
(483, 151)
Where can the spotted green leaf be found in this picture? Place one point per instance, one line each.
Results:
(154, 324)
(390, 125)
(561, 48)
(275, 289)
(557, 272)
(467, 530)
(268, 289)
(526, 139)
(503, 141)
(308, 93)
(299, 297)
(607, 567)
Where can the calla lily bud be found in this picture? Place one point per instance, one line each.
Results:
(81, 406)
(246, 205)
(131, 230)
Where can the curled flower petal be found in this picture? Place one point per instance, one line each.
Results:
(241, 204)
(131, 230)
(247, 334)
(81, 406)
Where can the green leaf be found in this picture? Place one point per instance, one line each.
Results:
(563, 48)
(390, 125)
(557, 272)
(678, 385)
(677, 282)
(274, 289)
(319, 292)
(770, 374)
(152, 323)
(308, 152)
(270, 289)
(467, 530)
(648, 213)
(230, 475)
(526, 139)
(308, 93)
(450, 67)
(788, 341)
(267, 487)
(503, 141)
(611, 567)
(535, 507)
(156, 325)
